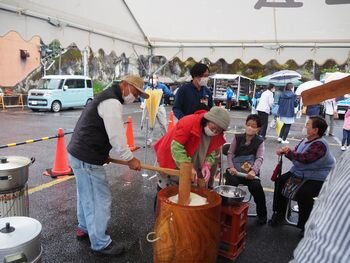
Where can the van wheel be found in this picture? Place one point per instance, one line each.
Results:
(88, 101)
(56, 106)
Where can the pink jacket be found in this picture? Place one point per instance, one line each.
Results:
(346, 125)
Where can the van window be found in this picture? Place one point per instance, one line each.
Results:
(75, 83)
(50, 84)
(88, 83)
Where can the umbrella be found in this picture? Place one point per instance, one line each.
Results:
(285, 75)
(307, 85)
(152, 104)
(331, 76)
(277, 82)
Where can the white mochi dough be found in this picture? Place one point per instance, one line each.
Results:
(195, 199)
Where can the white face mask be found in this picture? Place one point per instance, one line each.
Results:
(203, 81)
(209, 132)
(130, 98)
(250, 131)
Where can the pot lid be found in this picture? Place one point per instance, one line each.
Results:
(19, 231)
(13, 162)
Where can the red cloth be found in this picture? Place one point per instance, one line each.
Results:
(187, 132)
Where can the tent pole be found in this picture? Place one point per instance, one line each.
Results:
(138, 24)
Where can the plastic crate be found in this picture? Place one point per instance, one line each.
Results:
(233, 223)
(232, 251)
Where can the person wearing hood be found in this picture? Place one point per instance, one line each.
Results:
(287, 102)
(99, 129)
(195, 139)
(189, 96)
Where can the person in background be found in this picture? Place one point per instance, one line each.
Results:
(287, 102)
(326, 237)
(99, 129)
(246, 154)
(258, 94)
(346, 131)
(276, 97)
(195, 138)
(161, 113)
(193, 93)
(312, 161)
(277, 94)
(331, 110)
(311, 110)
(229, 97)
(264, 108)
(274, 110)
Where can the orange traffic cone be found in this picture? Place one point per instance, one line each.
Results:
(60, 165)
(130, 135)
(171, 121)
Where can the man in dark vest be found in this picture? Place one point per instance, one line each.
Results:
(98, 130)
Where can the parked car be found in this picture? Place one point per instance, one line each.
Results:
(56, 92)
(343, 105)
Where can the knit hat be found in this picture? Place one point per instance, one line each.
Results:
(219, 116)
(137, 82)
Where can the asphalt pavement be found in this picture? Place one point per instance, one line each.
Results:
(53, 201)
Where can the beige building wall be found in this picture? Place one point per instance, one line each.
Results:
(13, 68)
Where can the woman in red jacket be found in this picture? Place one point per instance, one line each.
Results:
(195, 138)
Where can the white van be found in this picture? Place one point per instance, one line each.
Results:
(55, 92)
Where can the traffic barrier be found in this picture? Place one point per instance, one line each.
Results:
(60, 165)
(31, 141)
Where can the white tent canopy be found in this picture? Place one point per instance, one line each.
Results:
(243, 29)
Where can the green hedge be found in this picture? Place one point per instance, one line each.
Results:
(98, 86)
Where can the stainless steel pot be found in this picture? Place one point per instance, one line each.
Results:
(14, 171)
(230, 195)
(20, 239)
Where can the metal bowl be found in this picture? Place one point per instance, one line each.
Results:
(231, 195)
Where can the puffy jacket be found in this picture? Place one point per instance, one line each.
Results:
(187, 132)
(287, 102)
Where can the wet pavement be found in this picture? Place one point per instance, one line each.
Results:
(53, 201)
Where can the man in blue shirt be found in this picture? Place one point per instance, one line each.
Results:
(193, 95)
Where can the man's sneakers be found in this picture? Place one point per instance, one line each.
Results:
(81, 235)
(343, 148)
(280, 140)
(113, 249)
